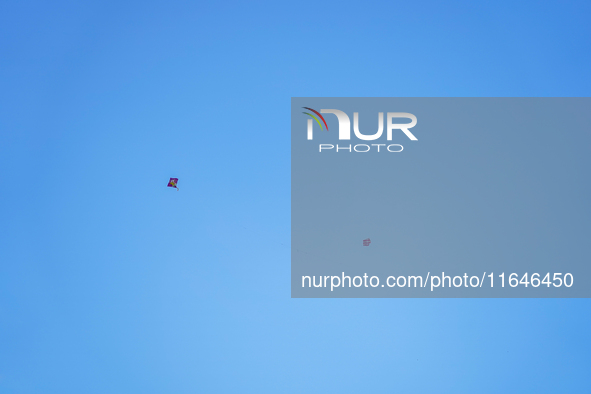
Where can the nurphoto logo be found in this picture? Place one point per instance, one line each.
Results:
(345, 130)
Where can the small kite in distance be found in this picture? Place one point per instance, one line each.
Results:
(366, 242)
(173, 182)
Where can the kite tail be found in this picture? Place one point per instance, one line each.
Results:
(177, 188)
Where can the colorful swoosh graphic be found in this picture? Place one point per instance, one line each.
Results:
(315, 118)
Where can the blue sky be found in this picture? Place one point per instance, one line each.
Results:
(111, 282)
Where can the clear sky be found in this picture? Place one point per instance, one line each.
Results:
(112, 283)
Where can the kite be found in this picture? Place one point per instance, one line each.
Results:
(366, 242)
(173, 182)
